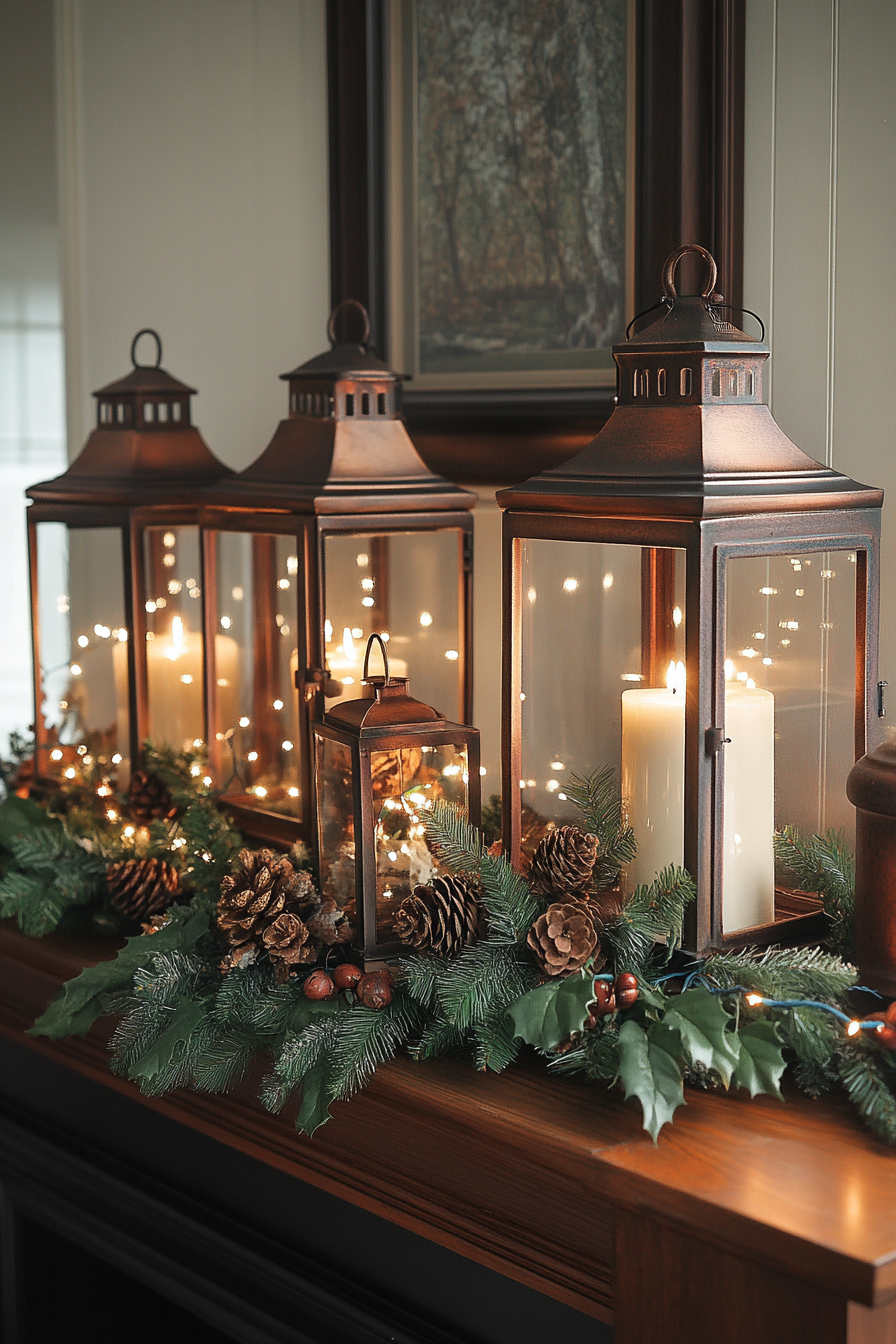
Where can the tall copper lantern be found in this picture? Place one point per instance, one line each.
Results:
(381, 764)
(695, 601)
(338, 531)
(115, 578)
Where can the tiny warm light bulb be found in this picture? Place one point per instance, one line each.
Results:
(111, 814)
(252, 756)
(127, 832)
(854, 1028)
(70, 772)
(754, 1000)
(570, 585)
(425, 618)
(261, 791)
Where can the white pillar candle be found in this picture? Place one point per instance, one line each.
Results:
(748, 857)
(653, 775)
(174, 684)
(653, 788)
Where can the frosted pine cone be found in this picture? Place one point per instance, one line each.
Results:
(563, 863)
(252, 898)
(288, 944)
(139, 888)
(564, 938)
(441, 916)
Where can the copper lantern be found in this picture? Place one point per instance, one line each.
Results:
(694, 600)
(338, 531)
(381, 764)
(115, 579)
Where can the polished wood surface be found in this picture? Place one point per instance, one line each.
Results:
(555, 1184)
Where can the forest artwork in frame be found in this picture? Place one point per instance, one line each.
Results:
(510, 200)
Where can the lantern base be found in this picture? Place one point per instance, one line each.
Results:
(274, 828)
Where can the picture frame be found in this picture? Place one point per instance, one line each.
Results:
(687, 185)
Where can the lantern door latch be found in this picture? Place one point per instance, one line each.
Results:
(881, 701)
(715, 741)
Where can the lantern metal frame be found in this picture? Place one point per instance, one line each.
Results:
(312, 484)
(134, 473)
(384, 724)
(658, 478)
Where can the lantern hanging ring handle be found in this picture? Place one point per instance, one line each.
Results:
(340, 308)
(672, 261)
(379, 640)
(147, 331)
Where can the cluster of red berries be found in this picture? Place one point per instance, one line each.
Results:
(610, 995)
(885, 1035)
(374, 989)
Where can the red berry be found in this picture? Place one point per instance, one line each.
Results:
(375, 989)
(347, 975)
(626, 987)
(319, 987)
(604, 998)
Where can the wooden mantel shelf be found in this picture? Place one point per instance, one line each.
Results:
(782, 1217)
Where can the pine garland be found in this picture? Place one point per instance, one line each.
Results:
(55, 858)
(734, 1021)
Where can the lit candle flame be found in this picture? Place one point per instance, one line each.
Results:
(348, 644)
(675, 678)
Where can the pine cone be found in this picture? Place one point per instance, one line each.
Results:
(288, 944)
(253, 897)
(148, 799)
(563, 863)
(139, 888)
(564, 938)
(440, 917)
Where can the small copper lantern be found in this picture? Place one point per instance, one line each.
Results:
(695, 601)
(338, 531)
(115, 579)
(380, 765)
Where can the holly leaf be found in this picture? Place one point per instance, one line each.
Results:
(760, 1062)
(168, 1048)
(649, 1069)
(314, 1109)
(702, 1022)
(551, 1013)
(85, 998)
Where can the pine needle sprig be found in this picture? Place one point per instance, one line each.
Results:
(457, 844)
(364, 1038)
(868, 1090)
(789, 973)
(824, 865)
(602, 813)
(508, 902)
(651, 914)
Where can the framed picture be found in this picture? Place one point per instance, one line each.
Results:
(506, 179)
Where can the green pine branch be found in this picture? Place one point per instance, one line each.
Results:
(652, 914)
(602, 813)
(824, 865)
(868, 1090)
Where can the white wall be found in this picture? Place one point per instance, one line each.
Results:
(820, 211)
(193, 169)
(31, 365)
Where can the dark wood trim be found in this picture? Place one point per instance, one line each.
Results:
(688, 185)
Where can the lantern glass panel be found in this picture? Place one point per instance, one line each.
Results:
(173, 604)
(256, 701)
(404, 585)
(83, 642)
(405, 783)
(601, 624)
(336, 819)
(790, 699)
